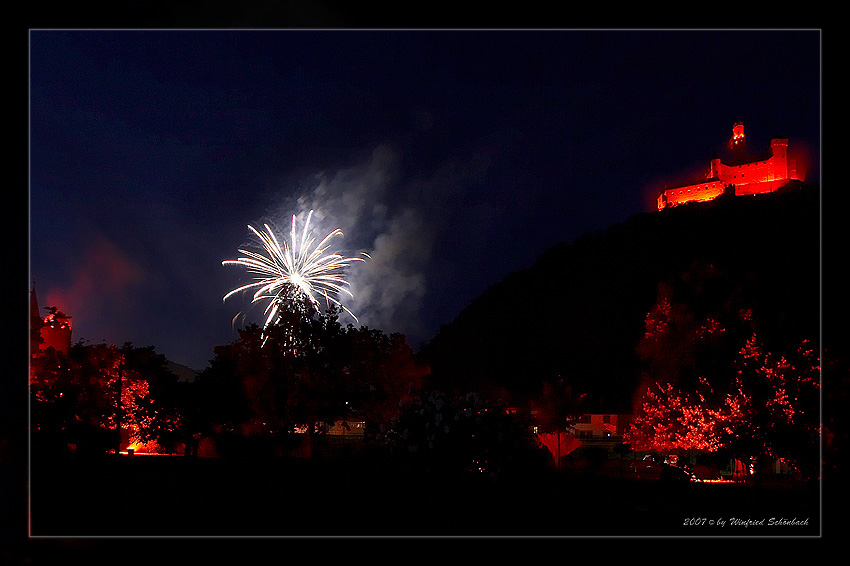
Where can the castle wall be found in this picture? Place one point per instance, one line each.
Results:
(759, 188)
(700, 192)
(749, 178)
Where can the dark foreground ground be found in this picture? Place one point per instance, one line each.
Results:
(155, 496)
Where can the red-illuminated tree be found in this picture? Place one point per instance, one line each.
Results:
(150, 407)
(768, 410)
(694, 330)
(681, 345)
(783, 416)
(81, 401)
(710, 384)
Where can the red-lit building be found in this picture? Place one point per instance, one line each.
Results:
(742, 174)
(608, 426)
(54, 329)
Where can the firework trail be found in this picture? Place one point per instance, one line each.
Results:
(297, 268)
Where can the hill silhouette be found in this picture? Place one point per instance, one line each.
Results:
(578, 312)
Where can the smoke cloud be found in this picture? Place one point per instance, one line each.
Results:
(389, 286)
(101, 287)
(400, 218)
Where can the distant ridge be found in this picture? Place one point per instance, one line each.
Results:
(183, 373)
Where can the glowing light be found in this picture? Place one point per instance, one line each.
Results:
(141, 448)
(59, 321)
(296, 267)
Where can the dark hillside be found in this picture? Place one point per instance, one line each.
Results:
(579, 311)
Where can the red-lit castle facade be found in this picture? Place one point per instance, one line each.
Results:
(742, 175)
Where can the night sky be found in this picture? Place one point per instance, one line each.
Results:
(453, 157)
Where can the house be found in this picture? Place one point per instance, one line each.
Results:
(600, 426)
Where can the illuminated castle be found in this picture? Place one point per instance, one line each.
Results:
(54, 329)
(742, 175)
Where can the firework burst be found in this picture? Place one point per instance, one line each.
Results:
(296, 268)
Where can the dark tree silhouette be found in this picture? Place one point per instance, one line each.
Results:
(304, 370)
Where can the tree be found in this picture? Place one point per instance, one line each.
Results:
(100, 398)
(73, 399)
(382, 371)
(768, 410)
(54, 398)
(671, 419)
(307, 370)
(149, 400)
(709, 381)
(556, 406)
(779, 395)
(695, 328)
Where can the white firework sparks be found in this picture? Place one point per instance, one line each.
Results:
(296, 266)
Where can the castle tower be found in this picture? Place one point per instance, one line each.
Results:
(738, 141)
(36, 323)
(34, 304)
(57, 331)
(779, 149)
(714, 172)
